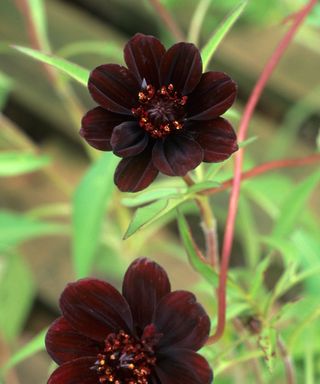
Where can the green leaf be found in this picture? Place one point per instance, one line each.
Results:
(33, 346)
(152, 195)
(209, 49)
(204, 269)
(5, 88)
(150, 213)
(103, 48)
(294, 205)
(198, 187)
(16, 295)
(17, 163)
(15, 228)
(39, 21)
(89, 205)
(73, 70)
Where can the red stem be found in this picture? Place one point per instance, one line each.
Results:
(263, 168)
(243, 128)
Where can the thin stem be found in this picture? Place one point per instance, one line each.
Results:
(197, 21)
(168, 20)
(263, 168)
(255, 362)
(287, 361)
(234, 198)
(209, 226)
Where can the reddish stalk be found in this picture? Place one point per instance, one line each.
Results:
(263, 168)
(168, 20)
(243, 128)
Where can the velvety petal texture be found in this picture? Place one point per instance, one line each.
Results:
(128, 139)
(181, 66)
(213, 96)
(64, 343)
(114, 88)
(182, 366)
(75, 372)
(143, 55)
(176, 155)
(135, 173)
(144, 284)
(217, 139)
(97, 126)
(95, 308)
(182, 321)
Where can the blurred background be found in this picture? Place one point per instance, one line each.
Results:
(43, 160)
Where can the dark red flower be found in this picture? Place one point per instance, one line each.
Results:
(147, 335)
(159, 114)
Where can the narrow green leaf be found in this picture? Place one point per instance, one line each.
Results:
(39, 21)
(5, 88)
(103, 48)
(33, 346)
(197, 21)
(73, 70)
(203, 185)
(294, 205)
(15, 228)
(89, 204)
(209, 49)
(150, 213)
(16, 295)
(204, 269)
(152, 195)
(17, 163)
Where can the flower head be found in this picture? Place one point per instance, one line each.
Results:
(147, 335)
(161, 114)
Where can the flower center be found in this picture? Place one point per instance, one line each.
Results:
(160, 112)
(126, 360)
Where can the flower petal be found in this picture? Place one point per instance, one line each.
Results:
(213, 96)
(144, 284)
(178, 366)
(181, 66)
(142, 55)
(217, 138)
(182, 321)
(128, 139)
(64, 343)
(95, 308)
(97, 126)
(114, 87)
(135, 173)
(176, 155)
(76, 371)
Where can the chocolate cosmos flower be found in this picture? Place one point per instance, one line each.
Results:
(160, 114)
(147, 335)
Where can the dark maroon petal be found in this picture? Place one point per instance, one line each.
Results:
(142, 55)
(64, 343)
(179, 366)
(95, 308)
(183, 322)
(144, 284)
(216, 137)
(114, 87)
(181, 66)
(128, 139)
(176, 155)
(76, 372)
(135, 173)
(213, 96)
(97, 126)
